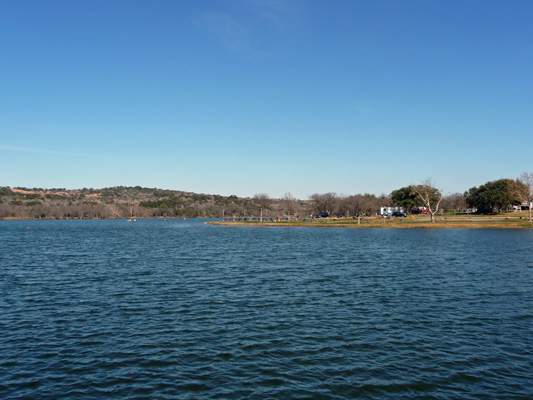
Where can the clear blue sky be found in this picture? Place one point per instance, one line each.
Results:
(248, 96)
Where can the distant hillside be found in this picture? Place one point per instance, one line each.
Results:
(123, 202)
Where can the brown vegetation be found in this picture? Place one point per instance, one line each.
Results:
(498, 222)
(116, 202)
(423, 200)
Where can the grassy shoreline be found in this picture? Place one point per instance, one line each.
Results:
(397, 223)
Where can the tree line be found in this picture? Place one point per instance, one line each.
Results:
(494, 196)
(115, 202)
(138, 202)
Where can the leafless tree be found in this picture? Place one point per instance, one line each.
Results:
(113, 210)
(383, 200)
(4, 211)
(454, 201)
(358, 205)
(132, 209)
(526, 194)
(289, 204)
(429, 195)
(361, 205)
(324, 203)
(263, 200)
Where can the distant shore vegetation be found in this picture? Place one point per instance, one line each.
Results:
(493, 197)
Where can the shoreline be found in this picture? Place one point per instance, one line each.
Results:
(94, 219)
(474, 223)
(391, 225)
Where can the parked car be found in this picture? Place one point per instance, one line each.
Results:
(399, 214)
(322, 215)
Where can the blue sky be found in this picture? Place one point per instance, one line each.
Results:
(249, 96)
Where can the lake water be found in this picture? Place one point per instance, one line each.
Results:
(179, 309)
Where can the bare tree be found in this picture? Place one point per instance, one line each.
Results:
(383, 200)
(113, 211)
(324, 203)
(263, 200)
(132, 209)
(289, 203)
(526, 194)
(454, 201)
(361, 204)
(429, 195)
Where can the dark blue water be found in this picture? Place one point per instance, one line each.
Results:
(180, 309)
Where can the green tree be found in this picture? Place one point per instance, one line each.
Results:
(405, 197)
(494, 195)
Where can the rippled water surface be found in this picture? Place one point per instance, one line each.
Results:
(180, 309)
